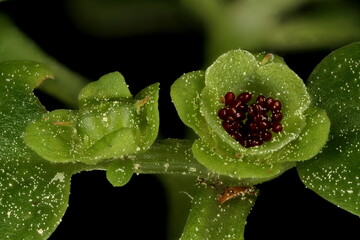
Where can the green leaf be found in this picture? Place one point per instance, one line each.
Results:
(334, 86)
(33, 192)
(109, 124)
(210, 220)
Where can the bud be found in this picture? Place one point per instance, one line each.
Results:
(110, 123)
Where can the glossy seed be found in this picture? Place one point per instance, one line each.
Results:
(245, 97)
(231, 111)
(236, 135)
(227, 125)
(261, 100)
(276, 127)
(275, 106)
(256, 142)
(236, 103)
(269, 102)
(242, 107)
(240, 116)
(229, 98)
(264, 124)
(222, 113)
(266, 136)
(251, 111)
(276, 117)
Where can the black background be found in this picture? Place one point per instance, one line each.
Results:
(285, 208)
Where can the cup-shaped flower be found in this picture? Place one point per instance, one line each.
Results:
(253, 116)
(110, 123)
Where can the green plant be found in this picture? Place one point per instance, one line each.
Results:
(116, 132)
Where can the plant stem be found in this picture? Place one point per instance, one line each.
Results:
(170, 156)
(174, 156)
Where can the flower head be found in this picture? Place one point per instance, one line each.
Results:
(252, 114)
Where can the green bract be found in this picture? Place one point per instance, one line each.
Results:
(197, 95)
(110, 123)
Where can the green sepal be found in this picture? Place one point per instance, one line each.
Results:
(237, 166)
(334, 87)
(53, 139)
(231, 71)
(147, 122)
(185, 94)
(119, 172)
(310, 141)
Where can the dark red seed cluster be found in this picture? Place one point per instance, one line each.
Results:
(251, 124)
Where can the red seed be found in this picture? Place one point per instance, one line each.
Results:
(240, 116)
(268, 102)
(266, 136)
(276, 117)
(235, 126)
(236, 135)
(227, 125)
(245, 97)
(236, 103)
(251, 111)
(276, 127)
(229, 98)
(246, 143)
(264, 124)
(250, 125)
(231, 111)
(261, 100)
(256, 142)
(255, 134)
(222, 113)
(258, 108)
(275, 106)
(242, 107)
(253, 126)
